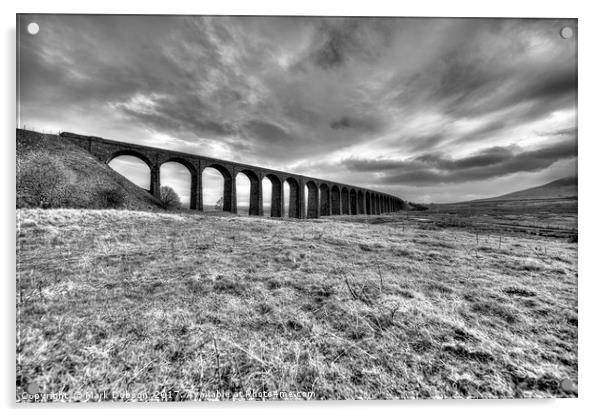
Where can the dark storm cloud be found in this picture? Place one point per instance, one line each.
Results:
(162, 81)
(338, 41)
(365, 125)
(493, 162)
(506, 81)
(485, 158)
(304, 93)
(332, 53)
(481, 74)
(180, 114)
(266, 131)
(422, 143)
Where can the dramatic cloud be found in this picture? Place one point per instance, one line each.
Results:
(486, 164)
(400, 104)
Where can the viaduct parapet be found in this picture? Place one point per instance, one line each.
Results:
(324, 198)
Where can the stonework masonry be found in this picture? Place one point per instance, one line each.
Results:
(325, 198)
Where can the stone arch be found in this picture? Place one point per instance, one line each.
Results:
(324, 200)
(335, 199)
(229, 186)
(276, 205)
(361, 206)
(345, 200)
(353, 202)
(312, 200)
(294, 207)
(373, 203)
(130, 152)
(255, 193)
(195, 204)
(155, 181)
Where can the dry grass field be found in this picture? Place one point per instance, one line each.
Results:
(146, 305)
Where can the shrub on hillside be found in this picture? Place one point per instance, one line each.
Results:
(417, 207)
(111, 197)
(170, 199)
(43, 181)
(219, 204)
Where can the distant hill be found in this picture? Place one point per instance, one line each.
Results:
(85, 176)
(563, 188)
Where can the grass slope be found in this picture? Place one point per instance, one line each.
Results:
(562, 188)
(138, 302)
(549, 217)
(88, 175)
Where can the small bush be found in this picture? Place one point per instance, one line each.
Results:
(43, 181)
(219, 204)
(416, 207)
(111, 197)
(170, 199)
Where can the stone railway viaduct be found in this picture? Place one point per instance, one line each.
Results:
(325, 198)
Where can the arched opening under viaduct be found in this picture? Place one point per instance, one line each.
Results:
(361, 208)
(243, 187)
(335, 200)
(324, 200)
(266, 196)
(217, 188)
(273, 196)
(134, 166)
(248, 193)
(345, 200)
(286, 195)
(182, 177)
(311, 200)
(353, 202)
(294, 193)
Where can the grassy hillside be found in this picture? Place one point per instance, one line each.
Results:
(83, 176)
(540, 217)
(562, 188)
(139, 302)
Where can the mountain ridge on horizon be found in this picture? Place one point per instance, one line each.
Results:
(565, 187)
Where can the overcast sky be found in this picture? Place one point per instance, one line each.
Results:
(431, 110)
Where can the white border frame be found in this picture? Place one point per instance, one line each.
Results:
(590, 150)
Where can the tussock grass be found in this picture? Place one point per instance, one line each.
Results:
(138, 302)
